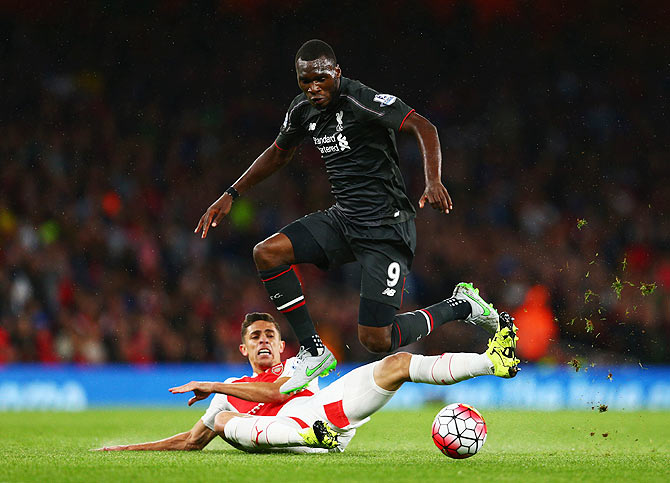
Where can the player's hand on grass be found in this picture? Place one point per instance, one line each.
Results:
(214, 214)
(437, 196)
(201, 390)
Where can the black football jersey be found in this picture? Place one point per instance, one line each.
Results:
(355, 135)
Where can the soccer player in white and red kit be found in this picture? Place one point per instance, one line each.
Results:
(252, 414)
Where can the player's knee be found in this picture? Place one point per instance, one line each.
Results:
(397, 363)
(272, 252)
(374, 329)
(220, 422)
(263, 255)
(377, 341)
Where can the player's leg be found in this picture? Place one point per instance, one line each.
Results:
(350, 400)
(253, 433)
(386, 261)
(380, 329)
(449, 368)
(499, 360)
(314, 239)
(382, 282)
(274, 257)
(465, 304)
(307, 240)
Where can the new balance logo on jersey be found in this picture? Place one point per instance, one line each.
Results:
(385, 99)
(389, 291)
(342, 140)
(312, 126)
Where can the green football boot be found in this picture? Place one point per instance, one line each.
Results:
(502, 348)
(320, 436)
(483, 314)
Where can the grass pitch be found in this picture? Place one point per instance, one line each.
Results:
(394, 446)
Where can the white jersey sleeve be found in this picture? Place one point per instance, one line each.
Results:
(219, 403)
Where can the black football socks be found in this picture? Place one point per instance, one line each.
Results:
(285, 292)
(313, 344)
(412, 326)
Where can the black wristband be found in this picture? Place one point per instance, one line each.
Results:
(233, 193)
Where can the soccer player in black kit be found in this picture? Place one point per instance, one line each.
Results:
(372, 222)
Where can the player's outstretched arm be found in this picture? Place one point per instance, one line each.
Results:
(265, 392)
(196, 439)
(267, 163)
(425, 133)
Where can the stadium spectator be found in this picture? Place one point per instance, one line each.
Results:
(554, 124)
(536, 321)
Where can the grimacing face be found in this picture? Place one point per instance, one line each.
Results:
(262, 345)
(319, 79)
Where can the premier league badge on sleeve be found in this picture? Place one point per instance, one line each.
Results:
(385, 99)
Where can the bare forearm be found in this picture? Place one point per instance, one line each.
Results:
(251, 391)
(432, 156)
(271, 160)
(178, 442)
(429, 145)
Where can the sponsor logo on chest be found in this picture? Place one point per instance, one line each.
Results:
(331, 143)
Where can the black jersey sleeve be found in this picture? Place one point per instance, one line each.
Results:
(384, 109)
(292, 131)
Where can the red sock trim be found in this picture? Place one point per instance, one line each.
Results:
(278, 275)
(290, 309)
(432, 369)
(335, 414)
(450, 374)
(399, 334)
(430, 317)
(282, 149)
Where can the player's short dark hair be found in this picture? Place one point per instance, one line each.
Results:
(315, 49)
(253, 317)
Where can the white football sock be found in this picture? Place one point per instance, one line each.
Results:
(448, 368)
(263, 432)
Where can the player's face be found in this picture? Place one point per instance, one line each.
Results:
(262, 345)
(319, 79)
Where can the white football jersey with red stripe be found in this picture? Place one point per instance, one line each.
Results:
(222, 402)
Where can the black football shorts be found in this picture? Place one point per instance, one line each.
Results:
(385, 252)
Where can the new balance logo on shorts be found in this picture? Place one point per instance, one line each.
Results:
(389, 291)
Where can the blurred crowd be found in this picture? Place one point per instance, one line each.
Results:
(121, 123)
